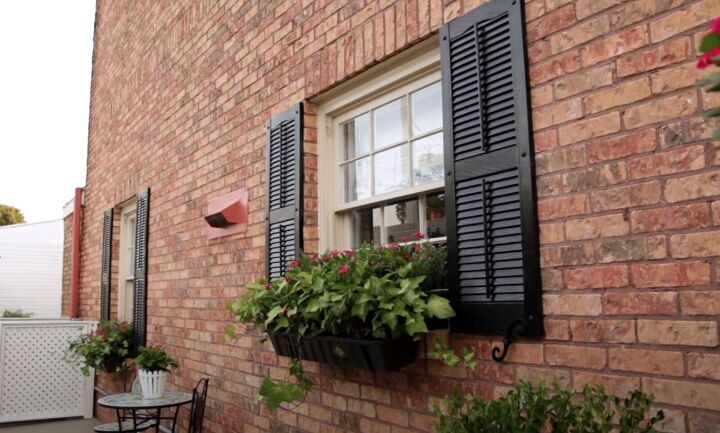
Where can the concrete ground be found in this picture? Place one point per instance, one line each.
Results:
(64, 426)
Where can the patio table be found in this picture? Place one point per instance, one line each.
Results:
(134, 402)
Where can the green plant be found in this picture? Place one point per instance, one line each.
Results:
(535, 409)
(113, 339)
(371, 292)
(10, 215)
(15, 314)
(710, 47)
(154, 358)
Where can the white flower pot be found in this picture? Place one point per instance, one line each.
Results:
(152, 383)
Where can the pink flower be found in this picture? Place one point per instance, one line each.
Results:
(344, 269)
(707, 58)
(404, 238)
(715, 25)
(419, 235)
(392, 246)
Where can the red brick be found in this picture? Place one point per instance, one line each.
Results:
(579, 34)
(571, 85)
(567, 255)
(616, 385)
(694, 186)
(560, 159)
(562, 207)
(596, 227)
(673, 161)
(572, 305)
(677, 77)
(586, 8)
(545, 140)
(704, 365)
(666, 54)
(678, 332)
(614, 45)
(536, 375)
(669, 274)
(640, 303)
(576, 356)
(624, 249)
(558, 113)
(556, 67)
(683, 19)
(615, 96)
(551, 233)
(625, 145)
(603, 331)
(700, 244)
(695, 215)
(646, 361)
(589, 128)
(551, 23)
(700, 303)
(392, 415)
(620, 197)
(683, 393)
(593, 277)
(661, 110)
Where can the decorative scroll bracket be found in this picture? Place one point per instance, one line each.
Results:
(516, 329)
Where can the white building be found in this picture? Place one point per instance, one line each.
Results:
(31, 268)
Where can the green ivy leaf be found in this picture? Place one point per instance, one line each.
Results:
(709, 41)
(439, 307)
(713, 112)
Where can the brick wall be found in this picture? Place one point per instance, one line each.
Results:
(628, 181)
(66, 265)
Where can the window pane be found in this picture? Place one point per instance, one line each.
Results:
(357, 180)
(356, 137)
(390, 123)
(392, 169)
(366, 226)
(428, 159)
(426, 105)
(401, 220)
(435, 214)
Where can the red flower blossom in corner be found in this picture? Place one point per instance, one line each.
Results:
(294, 263)
(715, 25)
(344, 269)
(404, 238)
(419, 235)
(707, 58)
(288, 278)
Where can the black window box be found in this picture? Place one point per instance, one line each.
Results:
(374, 355)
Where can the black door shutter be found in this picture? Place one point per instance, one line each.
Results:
(493, 258)
(105, 265)
(140, 280)
(284, 159)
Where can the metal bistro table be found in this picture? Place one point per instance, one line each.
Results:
(145, 410)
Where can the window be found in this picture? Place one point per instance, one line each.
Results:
(126, 269)
(381, 170)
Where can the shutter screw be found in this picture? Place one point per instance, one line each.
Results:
(449, 173)
(444, 38)
(530, 317)
(524, 154)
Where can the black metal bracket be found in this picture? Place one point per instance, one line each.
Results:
(516, 329)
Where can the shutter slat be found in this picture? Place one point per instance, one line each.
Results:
(493, 256)
(142, 215)
(284, 190)
(106, 260)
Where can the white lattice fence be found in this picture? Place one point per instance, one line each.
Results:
(35, 382)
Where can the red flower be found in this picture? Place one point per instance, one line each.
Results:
(406, 256)
(285, 309)
(419, 235)
(288, 278)
(294, 263)
(404, 238)
(707, 58)
(267, 286)
(392, 246)
(715, 25)
(344, 269)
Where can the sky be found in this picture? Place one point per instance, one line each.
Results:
(45, 67)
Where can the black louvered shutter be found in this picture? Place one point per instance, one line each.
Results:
(141, 256)
(493, 257)
(105, 265)
(284, 159)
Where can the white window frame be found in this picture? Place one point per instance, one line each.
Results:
(411, 70)
(126, 276)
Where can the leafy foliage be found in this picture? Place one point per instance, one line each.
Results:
(371, 292)
(710, 47)
(10, 215)
(15, 314)
(113, 339)
(154, 358)
(536, 409)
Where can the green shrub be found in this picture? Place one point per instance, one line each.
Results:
(154, 358)
(15, 314)
(535, 409)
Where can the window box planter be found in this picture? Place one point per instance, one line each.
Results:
(370, 354)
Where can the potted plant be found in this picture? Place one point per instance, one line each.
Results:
(364, 308)
(104, 349)
(154, 364)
